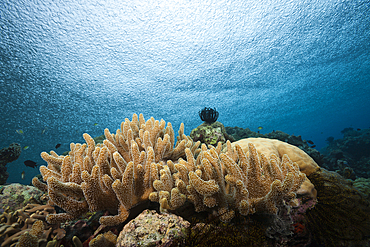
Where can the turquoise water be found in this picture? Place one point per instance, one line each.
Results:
(69, 67)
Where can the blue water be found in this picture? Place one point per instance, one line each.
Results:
(302, 67)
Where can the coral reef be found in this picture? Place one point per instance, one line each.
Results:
(30, 238)
(244, 232)
(279, 148)
(16, 196)
(349, 155)
(85, 229)
(301, 236)
(152, 229)
(210, 133)
(141, 162)
(7, 155)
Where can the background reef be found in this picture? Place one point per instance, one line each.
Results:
(349, 155)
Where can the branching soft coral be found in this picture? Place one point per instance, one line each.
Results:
(142, 162)
(115, 175)
(225, 182)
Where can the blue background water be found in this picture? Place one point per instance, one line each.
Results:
(302, 67)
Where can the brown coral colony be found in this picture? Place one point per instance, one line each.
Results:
(141, 162)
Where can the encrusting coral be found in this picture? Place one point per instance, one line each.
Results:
(142, 162)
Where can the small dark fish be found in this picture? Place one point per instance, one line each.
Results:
(313, 146)
(58, 145)
(310, 142)
(23, 174)
(358, 129)
(30, 163)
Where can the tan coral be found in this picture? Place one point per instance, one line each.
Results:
(30, 238)
(15, 224)
(107, 239)
(142, 162)
(270, 147)
(115, 175)
(224, 182)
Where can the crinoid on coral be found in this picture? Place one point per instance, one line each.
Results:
(115, 175)
(208, 115)
(141, 162)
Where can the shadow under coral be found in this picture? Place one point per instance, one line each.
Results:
(342, 214)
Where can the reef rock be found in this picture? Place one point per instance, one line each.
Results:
(152, 229)
(210, 133)
(17, 196)
(350, 155)
(7, 155)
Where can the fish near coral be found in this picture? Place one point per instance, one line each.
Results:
(30, 163)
